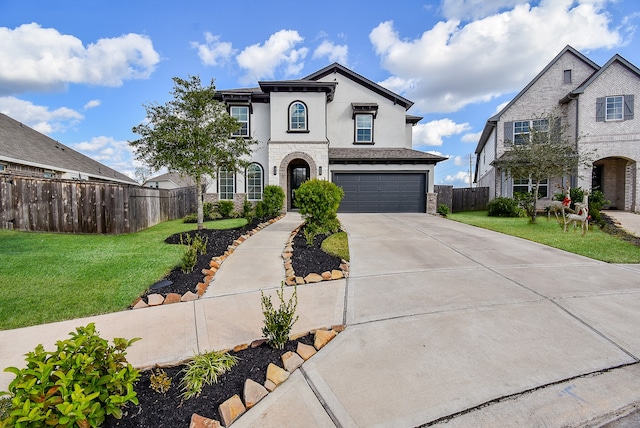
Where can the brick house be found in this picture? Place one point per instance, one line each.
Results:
(335, 125)
(597, 105)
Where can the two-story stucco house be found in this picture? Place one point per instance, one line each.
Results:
(334, 125)
(597, 105)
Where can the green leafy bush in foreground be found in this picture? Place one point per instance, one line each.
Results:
(278, 322)
(80, 383)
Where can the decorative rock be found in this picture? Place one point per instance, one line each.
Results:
(337, 274)
(208, 272)
(198, 421)
(297, 336)
(312, 277)
(289, 272)
(155, 299)
(258, 342)
(140, 304)
(344, 267)
(322, 338)
(339, 328)
(305, 351)
(189, 296)
(172, 298)
(288, 249)
(231, 410)
(239, 348)
(207, 279)
(276, 374)
(291, 361)
(290, 281)
(269, 386)
(326, 276)
(253, 392)
(214, 264)
(201, 287)
(299, 280)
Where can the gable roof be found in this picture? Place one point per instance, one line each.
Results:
(174, 177)
(21, 144)
(616, 58)
(337, 68)
(492, 121)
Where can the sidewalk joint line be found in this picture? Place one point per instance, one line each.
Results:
(322, 402)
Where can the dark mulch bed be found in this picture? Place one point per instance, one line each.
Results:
(168, 410)
(612, 228)
(159, 410)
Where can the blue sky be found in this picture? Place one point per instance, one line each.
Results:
(80, 71)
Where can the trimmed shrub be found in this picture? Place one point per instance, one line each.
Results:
(319, 201)
(504, 207)
(247, 211)
(80, 383)
(272, 201)
(443, 210)
(225, 208)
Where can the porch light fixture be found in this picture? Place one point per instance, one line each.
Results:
(320, 170)
(275, 170)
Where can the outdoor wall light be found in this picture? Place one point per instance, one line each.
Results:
(275, 170)
(320, 170)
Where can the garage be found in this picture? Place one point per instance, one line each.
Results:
(382, 192)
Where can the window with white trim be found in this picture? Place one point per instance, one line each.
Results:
(241, 114)
(226, 184)
(522, 129)
(526, 185)
(364, 128)
(614, 108)
(297, 116)
(254, 182)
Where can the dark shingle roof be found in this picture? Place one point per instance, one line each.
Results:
(379, 155)
(23, 145)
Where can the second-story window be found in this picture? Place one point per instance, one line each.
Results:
(614, 108)
(297, 116)
(364, 128)
(241, 114)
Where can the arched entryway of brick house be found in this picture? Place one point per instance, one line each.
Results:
(616, 178)
(295, 168)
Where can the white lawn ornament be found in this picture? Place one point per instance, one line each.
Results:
(560, 205)
(581, 215)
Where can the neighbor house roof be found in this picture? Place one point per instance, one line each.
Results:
(23, 145)
(381, 156)
(173, 177)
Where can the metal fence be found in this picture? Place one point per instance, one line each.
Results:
(54, 205)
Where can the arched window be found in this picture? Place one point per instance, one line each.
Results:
(226, 184)
(254, 182)
(297, 116)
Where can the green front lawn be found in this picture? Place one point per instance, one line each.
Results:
(47, 277)
(596, 244)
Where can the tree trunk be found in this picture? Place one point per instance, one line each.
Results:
(199, 202)
(534, 214)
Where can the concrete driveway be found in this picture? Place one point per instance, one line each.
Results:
(452, 324)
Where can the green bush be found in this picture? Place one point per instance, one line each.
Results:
(194, 245)
(247, 211)
(272, 201)
(160, 382)
(225, 208)
(319, 201)
(204, 369)
(443, 210)
(80, 383)
(504, 207)
(278, 322)
(596, 203)
(190, 218)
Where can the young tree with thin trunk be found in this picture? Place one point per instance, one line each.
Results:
(191, 135)
(544, 152)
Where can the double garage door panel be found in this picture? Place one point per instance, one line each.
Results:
(382, 192)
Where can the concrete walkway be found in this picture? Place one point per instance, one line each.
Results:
(447, 324)
(627, 220)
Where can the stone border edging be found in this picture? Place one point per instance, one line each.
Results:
(290, 276)
(157, 299)
(253, 392)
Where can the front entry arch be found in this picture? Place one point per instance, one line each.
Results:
(295, 168)
(616, 178)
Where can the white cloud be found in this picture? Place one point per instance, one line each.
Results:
(460, 178)
(432, 133)
(33, 58)
(502, 52)
(92, 104)
(474, 9)
(40, 118)
(457, 160)
(472, 137)
(261, 61)
(213, 51)
(335, 53)
(116, 154)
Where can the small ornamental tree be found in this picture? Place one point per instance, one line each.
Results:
(191, 134)
(545, 151)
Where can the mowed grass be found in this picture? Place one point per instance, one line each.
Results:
(337, 245)
(47, 277)
(596, 244)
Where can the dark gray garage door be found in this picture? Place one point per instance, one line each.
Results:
(382, 192)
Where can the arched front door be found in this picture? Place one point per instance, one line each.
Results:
(298, 172)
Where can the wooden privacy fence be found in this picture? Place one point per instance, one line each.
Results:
(463, 199)
(51, 205)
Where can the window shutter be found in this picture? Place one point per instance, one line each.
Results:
(600, 109)
(508, 133)
(556, 131)
(628, 107)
